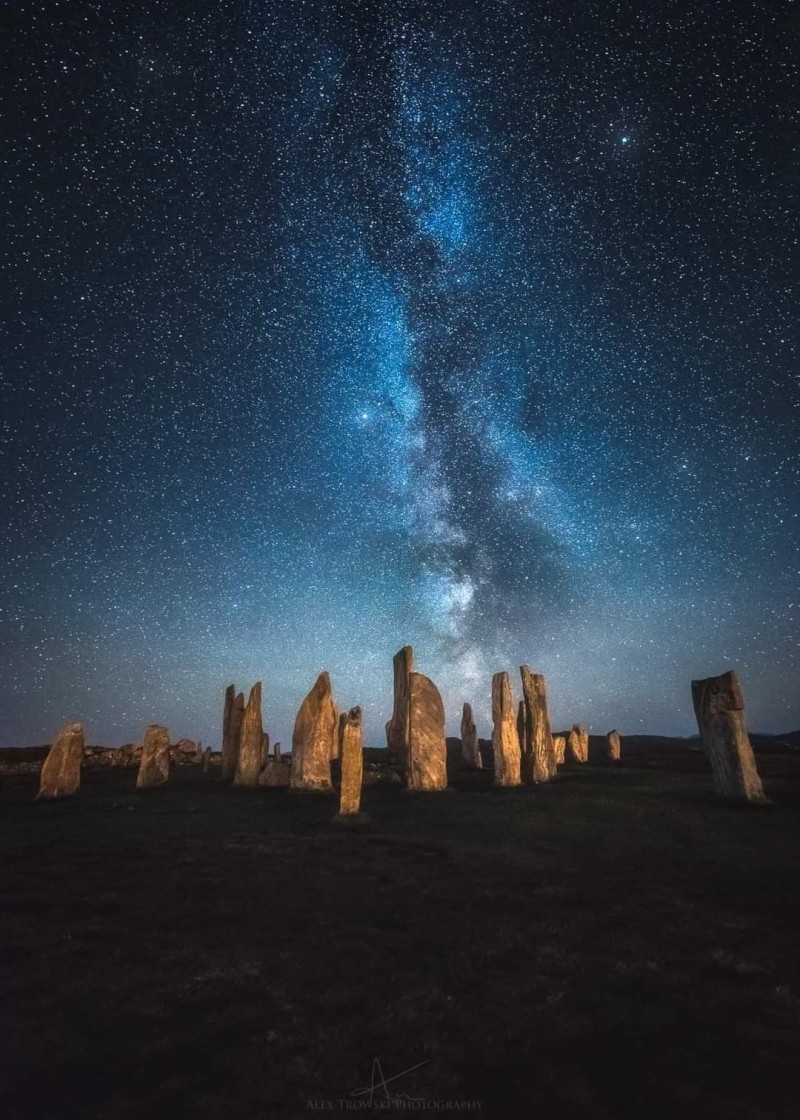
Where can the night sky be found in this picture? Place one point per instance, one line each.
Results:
(333, 326)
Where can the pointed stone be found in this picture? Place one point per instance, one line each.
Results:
(61, 771)
(538, 755)
(397, 727)
(154, 767)
(719, 708)
(251, 741)
(578, 743)
(470, 751)
(427, 749)
(231, 730)
(312, 739)
(505, 737)
(613, 746)
(352, 762)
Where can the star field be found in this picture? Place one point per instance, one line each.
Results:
(334, 326)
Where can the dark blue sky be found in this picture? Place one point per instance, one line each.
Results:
(331, 327)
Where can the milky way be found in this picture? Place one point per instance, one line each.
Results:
(331, 327)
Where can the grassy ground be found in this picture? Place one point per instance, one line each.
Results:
(615, 945)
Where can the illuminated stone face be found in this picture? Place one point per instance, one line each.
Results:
(505, 737)
(538, 754)
(154, 767)
(61, 772)
(719, 707)
(427, 749)
(315, 730)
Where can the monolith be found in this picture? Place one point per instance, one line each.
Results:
(61, 771)
(232, 717)
(397, 727)
(613, 746)
(520, 722)
(578, 743)
(251, 741)
(505, 737)
(719, 708)
(470, 751)
(560, 748)
(352, 762)
(427, 749)
(538, 755)
(312, 738)
(154, 767)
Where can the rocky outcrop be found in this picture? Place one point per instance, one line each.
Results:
(538, 754)
(505, 737)
(578, 743)
(351, 757)
(61, 771)
(613, 746)
(719, 708)
(232, 717)
(470, 751)
(427, 749)
(154, 768)
(251, 741)
(397, 727)
(312, 739)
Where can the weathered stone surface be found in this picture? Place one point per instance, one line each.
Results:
(560, 748)
(231, 731)
(154, 768)
(578, 743)
(427, 749)
(613, 746)
(470, 751)
(312, 739)
(352, 762)
(251, 741)
(276, 773)
(61, 770)
(719, 708)
(520, 722)
(337, 716)
(538, 755)
(505, 737)
(397, 727)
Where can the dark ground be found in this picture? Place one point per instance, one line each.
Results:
(615, 945)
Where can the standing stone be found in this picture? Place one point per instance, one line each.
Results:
(427, 749)
(613, 746)
(470, 751)
(154, 767)
(352, 763)
(578, 743)
(337, 717)
(61, 771)
(719, 708)
(397, 727)
(505, 737)
(231, 731)
(560, 748)
(538, 754)
(520, 722)
(312, 739)
(277, 750)
(251, 741)
(206, 760)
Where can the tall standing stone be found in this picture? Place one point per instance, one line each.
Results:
(613, 746)
(312, 739)
(470, 751)
(251, 741)
(154, 767)
(397, 727)
(520, 723)
(427, 749)
(578, 743)
(538, 755)
(61, 771)
(560, 748)
(351, 756)
(719, 708)
(505, 736)
(231, 731)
